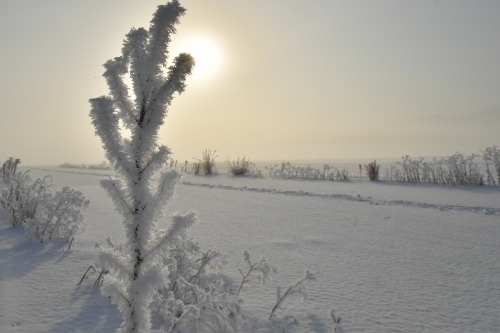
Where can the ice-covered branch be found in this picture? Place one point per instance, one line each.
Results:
(165, 191)
(212, 259)
(134, 54)
(115, 69)
(180, 222)
(298, 288)
(114, 260)
(156, 161)
(162, 27)
(116, 192)
(106, 126)
(261, 270)
(176, 82)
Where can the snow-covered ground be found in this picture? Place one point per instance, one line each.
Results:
(388, 257)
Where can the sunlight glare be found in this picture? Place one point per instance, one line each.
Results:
(206, 54)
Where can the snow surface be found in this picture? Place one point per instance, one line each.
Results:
(388, 257)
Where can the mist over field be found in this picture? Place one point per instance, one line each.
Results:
(273, 81)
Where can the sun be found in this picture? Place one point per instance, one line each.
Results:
(206, 53)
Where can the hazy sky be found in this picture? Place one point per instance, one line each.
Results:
(280, 80)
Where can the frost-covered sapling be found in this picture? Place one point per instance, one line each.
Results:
(155, 268)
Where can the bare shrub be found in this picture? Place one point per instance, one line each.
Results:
(72, 166)
(196, 168)
(185, 167)
(207, 162)
(243, 167)
(372, 170)
(339, 174)
(239, 167)
(172, 164)
(101, 166)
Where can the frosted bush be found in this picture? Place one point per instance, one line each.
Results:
(20, 198)
(456, 169)
(59, 216)
(287, 170)
(491, 156)
(44, 213)
(9, 169)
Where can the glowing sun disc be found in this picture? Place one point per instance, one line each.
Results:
(206, 55)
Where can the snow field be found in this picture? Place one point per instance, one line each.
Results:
(384, 267)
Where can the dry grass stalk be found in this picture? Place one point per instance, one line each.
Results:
(207, 162)
(372, 170)
(240, 167)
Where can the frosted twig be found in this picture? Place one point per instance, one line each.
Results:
(297, 288)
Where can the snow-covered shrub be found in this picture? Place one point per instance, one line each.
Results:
(207, 163)
(491, 155)
(372, 170)
(45, 214)
(462, 170)
(456, 169)
(287, 170)
(20, 198)
(393, 174)
(9, 169)
(58, 217)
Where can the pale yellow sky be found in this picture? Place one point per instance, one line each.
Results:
(279, 80)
